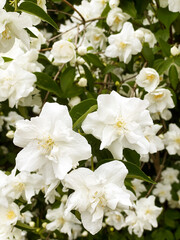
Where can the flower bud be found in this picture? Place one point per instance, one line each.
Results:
(10, 134)
(32, 224)
(114, 3)
(82, 50)
(82, 82)
(74, 101)
(175, 51)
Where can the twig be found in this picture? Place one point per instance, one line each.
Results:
(70, 5)
(158, 175)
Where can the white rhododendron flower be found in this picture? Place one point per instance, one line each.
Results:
(148, 78)
(145, 35)
(114, 3)
(172, 139)
(9, 215)
(116, 18)
(169, 176)
(15, 83)
(96, 37)
(115, 219)
(63, 51)
(12, 26)
(119, 123)
(144, 217)
(49, 143)
(174, 5)
(2, 3)
(155, 142)
(124, 45)
(23, 184)
(97, 192)
(163, 191)
(138, 186)
(159, 100)
(67, 224)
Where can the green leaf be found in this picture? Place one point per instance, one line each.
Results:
(177, 60)
(89, 78)
(78, 123)
(94, 59)
(7, 59)
(141, 5)
(165, 47)
(24, 226)
(34, 9)
(31, 34)
(166, 17)
(162, 65)
(173, 76)
(44, 81)
(81, 108)
(136, 172)
(128, 7)
(67, 79)
(131, 156)
(148, 54)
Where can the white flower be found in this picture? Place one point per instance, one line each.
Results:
(15, 83)
(11, 119)
(37, 41)
(114, 3)
(174, 5)
(119, 123)
(49, 143)
(159, 100)
(169, 176)
(124, 45)
(172, 139)
(155, 142)
(148, 78)
(2, 3)
(116, 18)
(115, 219)
(59, 221)
(23, 184)
(12, 26)
(97, 192)
(96, 37)
(63, 51)
(144, 217)
(145, 35)
(163, 3)
(9, 214)
(138, 186)
(82, 50)
(163, 191)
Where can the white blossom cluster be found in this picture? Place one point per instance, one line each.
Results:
(51, 151)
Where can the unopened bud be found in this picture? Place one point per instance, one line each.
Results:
(82, 50)
(32, 224)
(175, 51)
(44, 224)
(114, 3)
(10, 134)
(82, 82)
(84, 234)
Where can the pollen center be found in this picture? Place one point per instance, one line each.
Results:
(178, 140)
(11, 215)
(122, 45)
(47, 144)
(150, 77)
(6, 34)
(158, 96)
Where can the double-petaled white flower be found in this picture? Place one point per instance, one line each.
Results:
(144, 217)
(148, 78)
(124, 44)
(63, 51)
(15, 83)
(12, 26)
(119, 123)
(97, 192)
(172, 139)
(49, 144)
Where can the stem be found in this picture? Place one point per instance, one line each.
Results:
(92, 164)
(158, 175)
(70, 5)
(15, 5)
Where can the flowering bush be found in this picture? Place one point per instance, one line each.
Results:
(90, 132)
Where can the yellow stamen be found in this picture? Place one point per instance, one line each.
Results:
(11, 215)
(150, 77)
